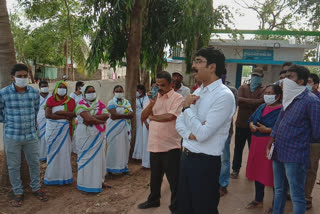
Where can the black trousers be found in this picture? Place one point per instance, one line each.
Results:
(259, 191)
(164, 163)
(242, 135)
(198, 191)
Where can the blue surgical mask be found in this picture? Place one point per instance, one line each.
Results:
(255, 82)
(309, 87)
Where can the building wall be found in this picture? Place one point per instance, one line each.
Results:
(180, 67)
(271, 72)
(231, 73)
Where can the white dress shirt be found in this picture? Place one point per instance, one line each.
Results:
(184, 91)
(215, 107)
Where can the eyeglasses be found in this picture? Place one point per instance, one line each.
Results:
(198, 61)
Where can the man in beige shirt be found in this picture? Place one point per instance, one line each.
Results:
(164, 142)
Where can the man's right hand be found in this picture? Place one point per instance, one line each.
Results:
(191, 99)
(192, 137)
(269, 146)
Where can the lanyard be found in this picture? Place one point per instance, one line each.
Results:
(141, 103)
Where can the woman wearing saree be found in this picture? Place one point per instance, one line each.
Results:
(259, 168)
(90, 141)
(118, 132)
(59, 111)
(41, 119)
(141, 143)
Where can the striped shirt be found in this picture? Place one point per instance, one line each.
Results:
(295, 127)
(18, 112)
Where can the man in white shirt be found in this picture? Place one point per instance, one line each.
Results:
(204, 126)
(178, 86)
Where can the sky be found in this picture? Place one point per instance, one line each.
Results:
(249, 21)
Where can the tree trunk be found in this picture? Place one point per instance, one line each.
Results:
(7, 52)
(133, 59)
(71, 38)
(7, 60)
(66, 58)
(145, 79)
(195, 48)
(160, 65)
(31, 74)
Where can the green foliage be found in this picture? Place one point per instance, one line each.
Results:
(45, 43)
(166, 23)
(110, 22)
(246, 70)
(198, 18)
(41, 44)
(160, 19)
(314, 70)
(311, 8)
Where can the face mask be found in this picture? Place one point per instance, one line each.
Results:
(91, 96)
(290, 91)
(44, 89)
(255, 82)
(309, 87)
(269, 99)
(119, 95)
(21, 82)
(138, 94)
(62, 91)
(81, 89)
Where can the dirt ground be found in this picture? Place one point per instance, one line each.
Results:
(241, 192)
(124, 191)
(128, 191)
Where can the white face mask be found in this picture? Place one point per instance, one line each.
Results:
(91, 96)
(119, 95)
(62, 91)
(21, 82)
(138, 94)
(290, 91)
(44, 89)
(269, 99)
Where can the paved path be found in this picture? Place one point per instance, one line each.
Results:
(241, 192)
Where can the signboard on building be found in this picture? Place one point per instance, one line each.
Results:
(257, 54)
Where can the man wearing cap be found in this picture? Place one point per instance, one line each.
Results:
(178, 87)
(250, 97)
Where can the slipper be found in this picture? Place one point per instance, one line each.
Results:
(254, 204)
(40, 195)
(234, 175)
(17, 201)
(269, 211)
(106, 186)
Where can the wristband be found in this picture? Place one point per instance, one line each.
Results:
(184, 108)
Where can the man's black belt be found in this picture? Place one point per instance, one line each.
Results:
(187, 152)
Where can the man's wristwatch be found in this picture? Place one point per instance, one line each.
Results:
(184, 108)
